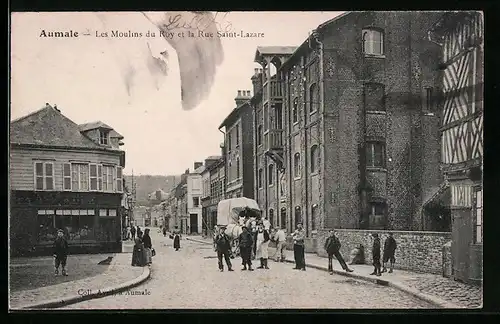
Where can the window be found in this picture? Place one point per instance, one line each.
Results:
(260, 178)
(314, 158)
(93, 177)
(107, 178)
(229, 146)
(478, 228)
(375, 155)
(429, 99)
(237, 134)
(295, 110)
(266, 118)
(237, 167)
(46, 226)
(119, 179)
(296, 165)
(78, 224)
(314, 215)
(283, 218)
(271, 174)
(298, 215)
(103, 137)
(99, 176)
(373, 42)
(313, 97)
(259, 135)
(44, 176)
(374, 97)
(196, 201)
(67, 176)
(271, 217)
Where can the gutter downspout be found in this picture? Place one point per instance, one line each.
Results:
(321, 107)
(224, 157)
(306, 148)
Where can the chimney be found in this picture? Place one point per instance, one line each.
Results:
(222, 149)
(257, 80)
(243, 95)
(197, 165)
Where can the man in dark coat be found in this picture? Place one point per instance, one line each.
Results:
(223, 249)
(60, 252)
(389, 251)
(132, 232)
(177, 238)
(376, 255)
(245, 241)
(332, 247)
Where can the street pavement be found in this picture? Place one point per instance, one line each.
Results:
(190, 279)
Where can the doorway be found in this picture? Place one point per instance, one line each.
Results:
(193, 224)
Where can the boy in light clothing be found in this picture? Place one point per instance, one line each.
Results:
(280, 239)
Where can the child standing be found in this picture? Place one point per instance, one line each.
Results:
(60, 252)
(389, 251)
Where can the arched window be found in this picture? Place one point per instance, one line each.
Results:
(373, 42)
(283, 218)
(314, 215)
(314, 158)
(270, 174)
(313, 97)
(271, 217)
(295, 110)
(260, 178)
(237, 167)
(298, 215)
(259, 135)
(296, 165)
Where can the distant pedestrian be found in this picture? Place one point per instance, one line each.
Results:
(148, 246)
(245, 241)
(332, 247)
(280, 239)
(129, 235)
(389, 252)
(61, 248)
(262, 252)
(132, 232)
(138, 254)
(139, 231)
(177, 238)
(164, 231)
(376, 255)
(298, 248)
(223, 249)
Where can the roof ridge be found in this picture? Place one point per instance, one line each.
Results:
(32, 113)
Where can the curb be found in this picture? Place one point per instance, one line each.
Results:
(415, 293)
(55, 303)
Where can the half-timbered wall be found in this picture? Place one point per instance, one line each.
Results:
(462, 115)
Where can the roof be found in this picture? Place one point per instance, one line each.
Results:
(233, 113)
(48, 127)
(101, 125)
(273, 50)
(214, 157)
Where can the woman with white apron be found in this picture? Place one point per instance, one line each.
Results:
(262, 247)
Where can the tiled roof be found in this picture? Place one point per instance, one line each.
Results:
(48, 127)
(100, 124)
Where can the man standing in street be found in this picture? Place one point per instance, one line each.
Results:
(223, 249)
(389, 251)
(132, 232)
(280, 239)
(245, 241)
(332, 247)
(298, 248)
(376, 255)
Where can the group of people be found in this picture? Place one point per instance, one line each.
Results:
(176, 236)
(132, 232)
(142, 254)
(388, 255)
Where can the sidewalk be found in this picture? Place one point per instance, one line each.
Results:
(436, 289)
(119, 276)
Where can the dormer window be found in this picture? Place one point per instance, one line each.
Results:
(103, 137)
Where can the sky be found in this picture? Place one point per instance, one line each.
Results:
(82, 76)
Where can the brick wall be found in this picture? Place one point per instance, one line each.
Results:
(416, 251)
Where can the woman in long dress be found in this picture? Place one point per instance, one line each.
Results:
(146, 240)
(262, 247)
(138, 255)
(177, 239)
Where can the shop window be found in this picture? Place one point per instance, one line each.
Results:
(78, 224)
(46, 226)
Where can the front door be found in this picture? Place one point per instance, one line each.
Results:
(193, 223)
(461, 238)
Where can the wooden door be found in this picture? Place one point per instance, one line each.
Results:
(193, 223)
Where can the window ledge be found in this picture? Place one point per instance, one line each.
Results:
(297, 178)
(376, 169)
(378, 56)
(271, 185)
(314, 173)
(376, 112)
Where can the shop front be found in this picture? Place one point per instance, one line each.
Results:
(91, 222)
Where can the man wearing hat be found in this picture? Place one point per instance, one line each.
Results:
(376, 255)
(298, 248)
(223, 249)
(60, 252)
(245, 241)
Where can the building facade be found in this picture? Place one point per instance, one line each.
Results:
(213, 184)
(238, 148)
(194, 193)
(346, 136)
(64, 176)
(460, 36)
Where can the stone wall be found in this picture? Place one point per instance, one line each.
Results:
(447, 263)
(416, 251)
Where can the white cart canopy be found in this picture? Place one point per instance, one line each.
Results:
(228, 210)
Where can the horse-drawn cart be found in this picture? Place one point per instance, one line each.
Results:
(232, 214)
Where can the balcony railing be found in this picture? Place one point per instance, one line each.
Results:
(275, 87)
(275, 139)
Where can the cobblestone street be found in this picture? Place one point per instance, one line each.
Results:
(190, 278)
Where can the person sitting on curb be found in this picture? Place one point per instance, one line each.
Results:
(332, 247)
